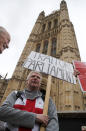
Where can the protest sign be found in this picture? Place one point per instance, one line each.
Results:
(50, 65)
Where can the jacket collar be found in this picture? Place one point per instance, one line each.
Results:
(32, 94)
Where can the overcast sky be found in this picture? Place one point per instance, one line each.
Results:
(19, 17)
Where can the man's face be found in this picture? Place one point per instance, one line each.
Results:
(4, 41)
(34, 81)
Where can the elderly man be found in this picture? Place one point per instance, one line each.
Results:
(4, 39)
(4, 42)
(23, 111)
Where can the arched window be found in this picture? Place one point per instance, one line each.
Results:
(37, 47)
(55, 22)
(49, 25)
(45, 47)
(53, 47)
(43, 27)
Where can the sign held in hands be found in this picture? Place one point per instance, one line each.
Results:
(50, 65)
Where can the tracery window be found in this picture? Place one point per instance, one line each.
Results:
(37, 47)
(55, 22)
(45, 47)
(43, 27)
(53, 47)
(49, 25)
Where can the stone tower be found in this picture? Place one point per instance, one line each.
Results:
(52, 35)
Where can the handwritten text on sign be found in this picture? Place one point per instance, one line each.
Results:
(50, 65)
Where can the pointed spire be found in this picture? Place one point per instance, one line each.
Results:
(63, 4)
(41, 15)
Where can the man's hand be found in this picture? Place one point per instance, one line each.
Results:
(43, 119)
(76, 72)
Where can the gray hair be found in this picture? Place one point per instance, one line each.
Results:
(32, 73)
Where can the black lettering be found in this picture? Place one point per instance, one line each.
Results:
(47, 59)
(35, 54)
(53, 71)
(48, 69)
(68, 77)
(51, 60)
(39, 66)
(60, 73)
(40, 57)
(31, 64)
